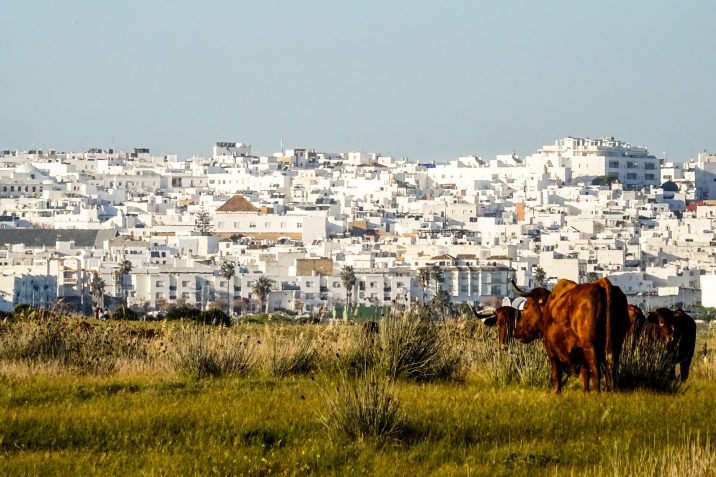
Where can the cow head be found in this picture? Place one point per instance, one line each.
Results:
(529, 327)
(663, 319)
(505, 318)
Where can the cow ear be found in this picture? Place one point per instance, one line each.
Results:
(491, 321)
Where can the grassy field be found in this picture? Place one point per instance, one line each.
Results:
(142, 407)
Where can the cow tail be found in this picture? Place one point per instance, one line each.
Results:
(610, 378)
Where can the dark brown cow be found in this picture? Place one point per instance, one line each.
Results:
(583, 326)
(645, 330)
(679, 329)
(505, 317)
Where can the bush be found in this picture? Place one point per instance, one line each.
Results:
(362, 407)
(206, 353)
(123, 313)
(525, 364)
(182, 313)
(292, 356)
(647, 363)
(72, 344)
(419, 350)
(214, 316)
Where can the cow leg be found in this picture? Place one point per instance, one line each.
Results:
(685, 365)
(584, 378)
(556, 376)
(590, 361)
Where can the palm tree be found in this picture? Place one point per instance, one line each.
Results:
(348, 278)
(228, 271)
(436, 273)
(424, 280)
(97, 286)
(123, 268)
(262, 289)
(539, 274)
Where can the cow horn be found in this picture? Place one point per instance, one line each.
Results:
(484, 315)
(519, 291)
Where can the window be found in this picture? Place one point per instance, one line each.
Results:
(650, 166)
(614, 164)
(160, 283)
(252, 225)
(631, 176)
(185, 283)
(649, 177)
(632, 165)
(309, 284)
(158, 296)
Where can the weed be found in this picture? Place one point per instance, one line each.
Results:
(362, 407)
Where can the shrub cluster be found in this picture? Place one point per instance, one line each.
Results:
(202, 353)
(646, 362)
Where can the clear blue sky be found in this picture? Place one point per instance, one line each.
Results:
(427, 80)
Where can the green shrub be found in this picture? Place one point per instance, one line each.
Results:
(214, 316)
(182, 313)
(123, 313)
(362, 407)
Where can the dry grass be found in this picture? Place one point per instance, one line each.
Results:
(362, 407)
(693, 457)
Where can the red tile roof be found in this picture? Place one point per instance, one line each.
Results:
(237, 203)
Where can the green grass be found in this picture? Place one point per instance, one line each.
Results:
(261, 425)
(145, 416)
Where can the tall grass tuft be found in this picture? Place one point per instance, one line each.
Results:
(201, 352)
(647, 363)
(419, 350)
(362, 407)
(525, 364)
(294, 355)
(73, 345)
(362, 354)
(691, 458)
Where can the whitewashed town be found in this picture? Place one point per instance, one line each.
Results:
(157, 230)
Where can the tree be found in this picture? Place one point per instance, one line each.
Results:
(592, 277)
(123, 268)
(348, 279)
(202, 222)
(228, 271)
(441, 302)
(436, 274)
(262, 289)
(539, 274)
(424, 280)
(97, 286)
(609, 179)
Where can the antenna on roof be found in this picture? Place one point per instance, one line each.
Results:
(282, 151)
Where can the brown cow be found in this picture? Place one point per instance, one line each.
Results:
(505, 317)
(679, 329)
(645, 330)
(594, 322)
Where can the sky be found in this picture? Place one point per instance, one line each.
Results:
(417, 79)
